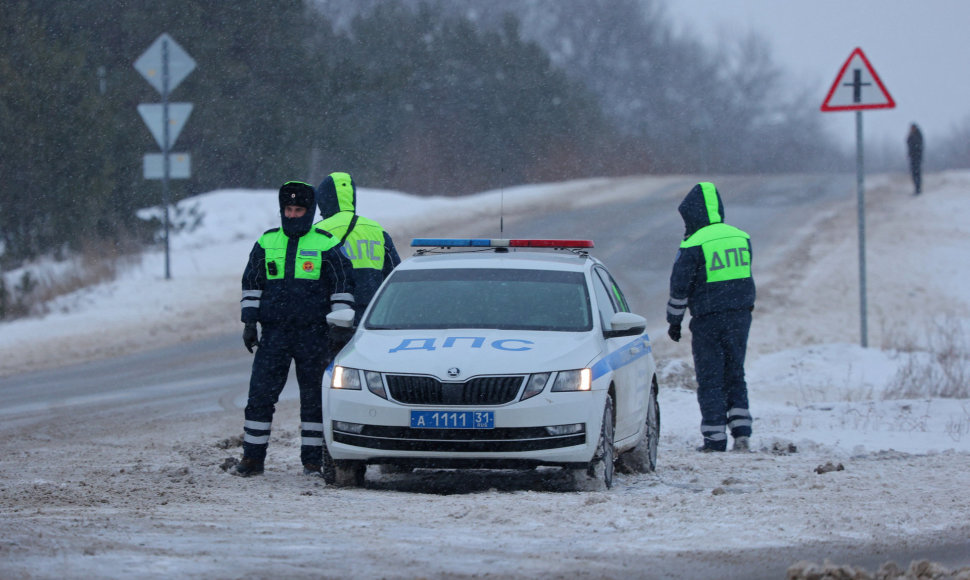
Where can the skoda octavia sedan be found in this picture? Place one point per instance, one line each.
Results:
(494, 354)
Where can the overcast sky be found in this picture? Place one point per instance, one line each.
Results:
(919, 49)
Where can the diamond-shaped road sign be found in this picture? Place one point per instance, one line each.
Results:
(151, 63)
(153, 114)
(857, 87)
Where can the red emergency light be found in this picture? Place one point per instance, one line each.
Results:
(497, 243)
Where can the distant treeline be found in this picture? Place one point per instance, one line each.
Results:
(430, 98)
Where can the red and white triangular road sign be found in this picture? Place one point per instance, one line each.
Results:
(857, 87)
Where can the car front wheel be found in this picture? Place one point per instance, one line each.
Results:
(343, 473)
(349, 473)
(600, 468)
(643, 457)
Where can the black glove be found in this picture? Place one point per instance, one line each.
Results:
(250, 337)
(674, 332)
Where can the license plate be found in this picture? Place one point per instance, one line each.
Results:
(453, 419)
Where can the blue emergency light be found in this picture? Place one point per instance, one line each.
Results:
(497, 243)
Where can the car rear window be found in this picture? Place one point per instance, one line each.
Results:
(483, 298)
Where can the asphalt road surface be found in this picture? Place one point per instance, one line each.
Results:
(636, 236)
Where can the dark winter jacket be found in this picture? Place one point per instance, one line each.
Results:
(914, 145)
(712, 270)
(295, 275)
(363, 241)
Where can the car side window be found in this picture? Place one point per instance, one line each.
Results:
(604, 302)
(616, 295)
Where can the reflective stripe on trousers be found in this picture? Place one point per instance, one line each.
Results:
(719, 342)
(307, 348)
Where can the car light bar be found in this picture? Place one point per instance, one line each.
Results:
(497, 243)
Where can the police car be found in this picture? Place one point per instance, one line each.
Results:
(494, 354)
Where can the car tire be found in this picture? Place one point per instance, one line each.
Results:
(349, 473)
(600, 470)
(643, 457)
(329, 468)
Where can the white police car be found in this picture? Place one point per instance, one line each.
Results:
(494, 354)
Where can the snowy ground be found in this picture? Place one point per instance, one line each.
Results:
(851, 446)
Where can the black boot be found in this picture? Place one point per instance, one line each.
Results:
(249, 466)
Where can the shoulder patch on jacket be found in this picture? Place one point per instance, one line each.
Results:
(271, 230)
(324, 232)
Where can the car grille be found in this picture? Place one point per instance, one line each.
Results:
(424, 390)
(458, 440)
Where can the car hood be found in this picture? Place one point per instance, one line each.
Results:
(472, 352)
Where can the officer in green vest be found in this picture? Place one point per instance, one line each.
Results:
(363, 241)
(294, 277)
(712, 277)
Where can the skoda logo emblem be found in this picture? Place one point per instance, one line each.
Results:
(454, 372)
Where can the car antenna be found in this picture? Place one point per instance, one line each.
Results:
(501, 205)
(501, 211)
(501, 214)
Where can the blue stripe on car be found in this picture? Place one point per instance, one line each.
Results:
(622, 356)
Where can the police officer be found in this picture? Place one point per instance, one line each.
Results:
(712, 277)
(293, 279)
(362, 240)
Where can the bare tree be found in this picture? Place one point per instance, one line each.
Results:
(954, 150)
(676, 103)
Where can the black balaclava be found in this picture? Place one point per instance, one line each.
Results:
(301, 194)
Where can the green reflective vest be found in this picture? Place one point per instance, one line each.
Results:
(309, 254)
(727, 253)
(364, 246)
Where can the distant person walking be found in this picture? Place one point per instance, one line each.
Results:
(914, 146)
(712, 277)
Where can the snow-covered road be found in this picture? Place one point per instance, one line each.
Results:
(115, 487)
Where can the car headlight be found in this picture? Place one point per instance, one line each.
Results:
(349, 379)
(345, 378)
(578, 380)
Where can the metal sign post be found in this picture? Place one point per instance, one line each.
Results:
(861, 203)
(857, 87)
(164, 65)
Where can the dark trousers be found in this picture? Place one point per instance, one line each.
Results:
(719, 342)
(914, 169)
(307, 347)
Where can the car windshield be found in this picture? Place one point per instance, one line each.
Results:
(483, 298)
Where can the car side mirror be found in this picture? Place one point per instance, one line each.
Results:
(341, 318)
(625, 324)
